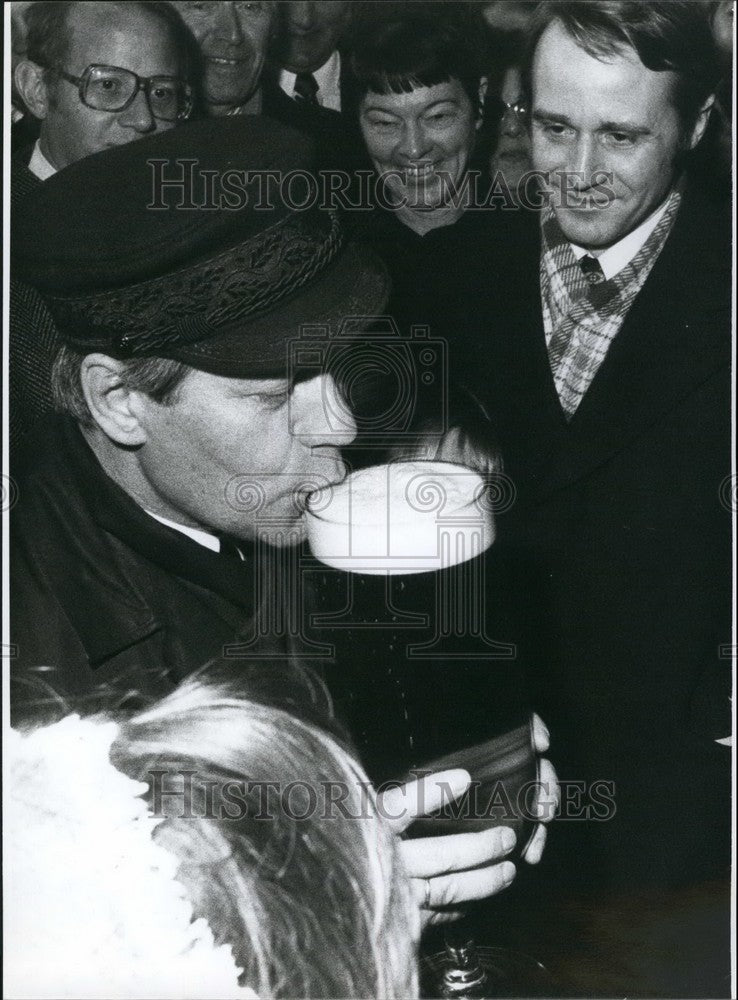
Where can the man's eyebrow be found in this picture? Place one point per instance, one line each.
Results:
(261, 387)
(628, 127)
(541, 115)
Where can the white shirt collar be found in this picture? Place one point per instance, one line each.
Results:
(39, 165)
(620, 254)
(328, 79)
(204, 538)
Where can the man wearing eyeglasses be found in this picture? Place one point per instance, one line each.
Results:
(100, 75)
(96, 75)
(511, 160)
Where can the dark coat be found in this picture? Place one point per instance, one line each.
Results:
(22, 181)
(34, 339)
(108, 606)
(430, 272)
(435, 284)
(339, 145)
(622, 516)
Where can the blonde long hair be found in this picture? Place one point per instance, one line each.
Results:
(308, 890)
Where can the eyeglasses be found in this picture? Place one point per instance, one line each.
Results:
(517, 107)
(110, 88)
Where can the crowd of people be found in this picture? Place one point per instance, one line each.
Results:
(257, 246)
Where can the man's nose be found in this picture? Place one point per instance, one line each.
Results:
(584, 161)
(228, 23)
(414, 143)
(138, 115)
(320, 415)
(512, 124)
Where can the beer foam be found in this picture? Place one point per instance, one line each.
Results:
(405, 517)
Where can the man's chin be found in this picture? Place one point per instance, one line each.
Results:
(588, 228)
(220, 101)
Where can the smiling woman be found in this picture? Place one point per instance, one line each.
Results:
(420, 141)
(417, 93)
(419, 96)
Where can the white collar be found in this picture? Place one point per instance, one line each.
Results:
(39, 165)
(616, 257)
(204, 538)
(328, 79)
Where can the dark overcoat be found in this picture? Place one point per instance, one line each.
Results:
(622, 520)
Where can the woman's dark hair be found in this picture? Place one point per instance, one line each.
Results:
(400, 48)
(464, 435)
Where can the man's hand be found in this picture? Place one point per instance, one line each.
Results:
(547, 800)
(447, 871)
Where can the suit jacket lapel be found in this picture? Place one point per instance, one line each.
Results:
(676, 335)
(519, 385)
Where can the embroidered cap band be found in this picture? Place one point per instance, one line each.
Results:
(177, 271)
(199, 302)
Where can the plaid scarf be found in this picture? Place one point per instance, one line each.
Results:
(581, 319)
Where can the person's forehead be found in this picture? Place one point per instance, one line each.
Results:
(99, 32)
(325, 12)
(198, 383)
(568, 80)
(417, 99)
(512, 84)
(196, 14)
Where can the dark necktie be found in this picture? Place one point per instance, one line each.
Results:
(592, 270)
(306, 89)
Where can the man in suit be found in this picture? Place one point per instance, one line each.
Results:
(306, 87)
(310, 61)
(609, 378)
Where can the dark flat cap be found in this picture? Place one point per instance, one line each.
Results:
(206, 243)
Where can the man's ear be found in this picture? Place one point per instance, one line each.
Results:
(30, 82)
(112, 404)
(701, 124)
(483, 84)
